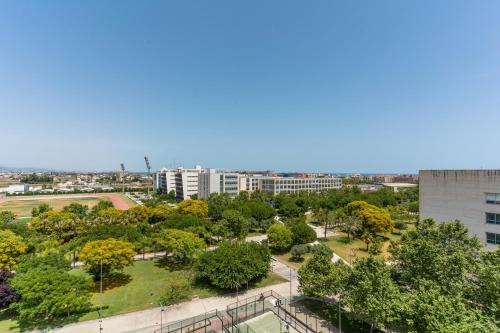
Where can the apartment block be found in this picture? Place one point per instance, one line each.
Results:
(184, 182)
(470, 196)
(213, 181)
(278, 185)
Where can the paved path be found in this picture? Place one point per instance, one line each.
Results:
(149, 320)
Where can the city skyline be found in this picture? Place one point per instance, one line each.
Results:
(336, 87)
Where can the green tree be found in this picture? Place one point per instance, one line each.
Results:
(79, 210)
(112, 254)
(63, 226)
(443, 253)
(6, 217)
(11, 247)
(302, 233)
(233, 264)
(47, 293)
(55, 261)
(42, 208)
(279, 237)
(351, 225)
(320, 277)
(181, 245)
(237, 225)
(371, 291)
(178, 289)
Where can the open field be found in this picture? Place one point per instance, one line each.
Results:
(22, 205)
(139, 287)
(348, 251)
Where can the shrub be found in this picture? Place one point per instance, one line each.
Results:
(298, 252)
(376, 247)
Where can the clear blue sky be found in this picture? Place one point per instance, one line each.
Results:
(336, 86)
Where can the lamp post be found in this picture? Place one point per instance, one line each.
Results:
(100, 302)
(161, 317)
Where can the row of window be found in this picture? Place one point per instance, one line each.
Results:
(492, 238)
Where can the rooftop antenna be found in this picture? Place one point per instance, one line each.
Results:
(123, 177)
(149, 170)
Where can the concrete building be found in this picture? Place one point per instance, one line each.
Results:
(278, 185)
(398, 186)
(184, 182)
(470, 196)
(212, 181)
(249, 183)
(15, 189)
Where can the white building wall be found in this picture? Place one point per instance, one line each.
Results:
(447, 195)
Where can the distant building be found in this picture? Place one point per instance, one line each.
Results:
(15, 189)
(278, 185)
(398, 186)
(470, 196)
(249, 183)
(212, 181)
(184, 182)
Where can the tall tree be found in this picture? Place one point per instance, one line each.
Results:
(11, 247)
(112, 254)
(181, 245)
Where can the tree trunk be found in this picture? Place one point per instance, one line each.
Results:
(326, 226)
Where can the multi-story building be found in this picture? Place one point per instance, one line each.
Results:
(249, 183)
(184, 182)
(212, 181)
(470, 196)
(278, 185)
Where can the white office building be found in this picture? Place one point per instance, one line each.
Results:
(15, 189)
(184, 182)
(213, 181)
(278, 185)
(470, 196)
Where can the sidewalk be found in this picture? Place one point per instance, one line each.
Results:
(148, 320)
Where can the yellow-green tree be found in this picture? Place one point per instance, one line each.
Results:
(61, 225)
(11, 246)
(193, 207)
(374, 220)
(111, 253)
(160, 213)
(138, 214)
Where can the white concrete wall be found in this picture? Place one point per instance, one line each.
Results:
(447, 195)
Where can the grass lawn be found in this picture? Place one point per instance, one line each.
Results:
(7, 324)
(138, 288)
(23, 207)
(340, 244)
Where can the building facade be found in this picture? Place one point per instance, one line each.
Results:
(184, 182)
(470, 196)
(278, 185)
(212, 181)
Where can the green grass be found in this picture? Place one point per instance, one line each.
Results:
(8, 324)
(347, 250)
(139, 287)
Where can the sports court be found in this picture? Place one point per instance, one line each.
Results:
(265, 323)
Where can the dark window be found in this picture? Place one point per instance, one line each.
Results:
(492, 218)
(492, 238)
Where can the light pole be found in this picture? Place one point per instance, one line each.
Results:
(100, 302)
(340, 318)
(237, 299)
(161, 317)
(123, 177)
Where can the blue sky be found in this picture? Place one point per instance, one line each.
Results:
(334, 86)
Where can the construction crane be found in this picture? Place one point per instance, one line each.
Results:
(149, 170)
(123, 177)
